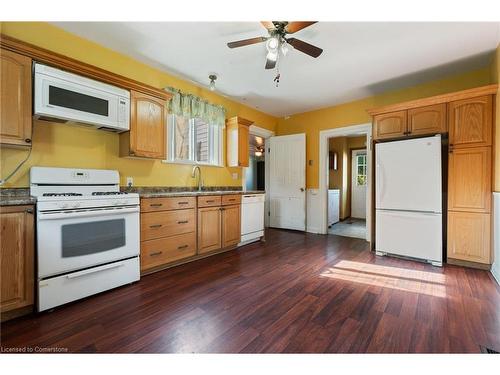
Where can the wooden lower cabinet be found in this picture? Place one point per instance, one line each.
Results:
(209, 229)
(469, 236)
(231, 225)
(161, 251)
(17, 271)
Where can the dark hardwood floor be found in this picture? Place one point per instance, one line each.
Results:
(296, 293)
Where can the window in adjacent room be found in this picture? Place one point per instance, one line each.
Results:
(361, 169)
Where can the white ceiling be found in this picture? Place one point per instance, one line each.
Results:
(359, 59)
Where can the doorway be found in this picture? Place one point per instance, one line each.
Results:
(345, 181)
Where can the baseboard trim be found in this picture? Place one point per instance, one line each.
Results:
(496, 276)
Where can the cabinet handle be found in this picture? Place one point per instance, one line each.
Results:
(156, 226)
(183, 222)
(155, 253)
(183, 203)
(231, 199)
(156, 205)
(27, 140)
(29, 210)
(182, 247)
(211, 201)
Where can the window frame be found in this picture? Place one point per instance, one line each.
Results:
(215, 143)
(364, 166)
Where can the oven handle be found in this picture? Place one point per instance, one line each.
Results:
(86, 213)
(74, 275)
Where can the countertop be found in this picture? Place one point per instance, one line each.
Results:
(16, 197)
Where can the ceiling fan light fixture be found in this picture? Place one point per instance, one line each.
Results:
(272, 44)
(212, 78)
(272, 56)
(284, 48)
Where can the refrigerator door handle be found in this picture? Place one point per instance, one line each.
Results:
(380, 182)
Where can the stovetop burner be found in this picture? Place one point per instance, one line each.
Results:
(62, 194)
(109, 192)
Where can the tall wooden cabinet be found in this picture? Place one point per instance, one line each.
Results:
(469, 179)
(146, 138)
(467, 116)
(15, 99)
(16, 260)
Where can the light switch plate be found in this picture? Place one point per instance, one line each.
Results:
(130, 181)
(235, 176)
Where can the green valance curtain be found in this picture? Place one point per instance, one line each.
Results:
(188, 105)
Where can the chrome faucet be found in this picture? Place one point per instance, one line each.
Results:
(193, 175)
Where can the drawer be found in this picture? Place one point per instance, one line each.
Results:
(167, 223)
(209, 201)
(231, 199)
(161, 251)
(162, 204)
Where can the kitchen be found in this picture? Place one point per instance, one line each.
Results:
(128, 195)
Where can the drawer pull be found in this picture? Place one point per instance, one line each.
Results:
(231, 199)
(183, 222)
(155, 253)
(155, 204)
(156, 226)
(182, 247)
(210, 201)
(183, 203)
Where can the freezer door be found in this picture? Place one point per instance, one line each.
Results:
(412, 234)
(408, 175)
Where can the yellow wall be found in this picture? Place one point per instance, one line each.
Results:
(62, 145)
(340, 178)
(495, 77)
(353, 113)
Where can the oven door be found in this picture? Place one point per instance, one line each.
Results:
(77, 239)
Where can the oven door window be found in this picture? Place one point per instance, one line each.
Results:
(75, 100)
(94, 237)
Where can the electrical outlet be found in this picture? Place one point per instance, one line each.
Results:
(130, 181)
(235, 176)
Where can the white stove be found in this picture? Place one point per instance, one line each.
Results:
(87, 233)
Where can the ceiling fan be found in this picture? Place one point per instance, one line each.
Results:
(277, 40)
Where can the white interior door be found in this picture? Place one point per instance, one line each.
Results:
(359, 168)
(287, 181)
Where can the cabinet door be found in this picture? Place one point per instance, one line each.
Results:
(390, 125)
(427, 120)
(15, 99)
(243, 146)
(16, 257)
(209, 229)
(469, 236)
(231, 225)
(469, 179)
(147, 126)
(470, 122)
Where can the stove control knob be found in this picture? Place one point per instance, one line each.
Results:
(76, 205)
(64, 205)
(117, 203)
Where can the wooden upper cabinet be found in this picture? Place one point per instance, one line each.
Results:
(209, 229)
(469, 179)
(469, 236)
(231, 225)
(15, 99)
(146, 137)
(17, 269)
(237, 139)
(390, 125)
(470, 122)
(427, 120)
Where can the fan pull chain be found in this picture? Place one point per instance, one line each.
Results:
(277, 78)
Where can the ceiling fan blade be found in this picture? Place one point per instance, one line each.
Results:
(268, 25)
(270, 64)
(307, 48)
(293, 27)
(246, 42)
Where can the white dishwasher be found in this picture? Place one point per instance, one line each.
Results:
(252, 217)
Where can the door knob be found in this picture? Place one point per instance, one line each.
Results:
(302, 189)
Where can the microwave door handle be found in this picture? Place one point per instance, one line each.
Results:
(86, 213)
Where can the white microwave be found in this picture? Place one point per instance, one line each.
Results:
(66, 97)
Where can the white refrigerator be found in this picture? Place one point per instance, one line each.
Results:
(408, 199)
